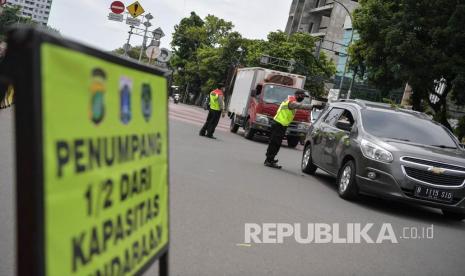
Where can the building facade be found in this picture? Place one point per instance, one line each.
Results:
(37, 10)
(327, 20)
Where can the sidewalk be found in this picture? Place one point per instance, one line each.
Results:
(7, 195)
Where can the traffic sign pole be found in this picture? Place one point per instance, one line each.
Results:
(126, 49)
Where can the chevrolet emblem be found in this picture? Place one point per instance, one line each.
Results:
(437, 170)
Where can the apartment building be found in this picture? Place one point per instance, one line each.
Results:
(327, 20)
(37, 10)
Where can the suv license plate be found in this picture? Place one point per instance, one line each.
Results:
(433, 194)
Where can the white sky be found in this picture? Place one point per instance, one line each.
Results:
(86, 20)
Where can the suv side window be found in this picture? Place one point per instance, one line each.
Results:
(333, 116)
(347, 118)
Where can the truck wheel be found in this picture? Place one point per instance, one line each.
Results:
(249, 133)
(307, 165)
(292, 142)
(233, 127)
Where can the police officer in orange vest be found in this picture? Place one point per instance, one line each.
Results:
(216, 111)
(282, 120)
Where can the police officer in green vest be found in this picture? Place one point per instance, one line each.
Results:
(216, 111)
(282, 120)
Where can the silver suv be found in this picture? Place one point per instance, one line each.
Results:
(375, 149)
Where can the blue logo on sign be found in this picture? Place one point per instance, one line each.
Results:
(125, 103)
(146, 100)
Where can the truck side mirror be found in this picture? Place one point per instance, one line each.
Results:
(253, 93)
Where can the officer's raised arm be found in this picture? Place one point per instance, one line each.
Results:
(299, 96)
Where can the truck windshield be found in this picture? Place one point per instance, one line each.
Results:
(277, 94)
(406, 127)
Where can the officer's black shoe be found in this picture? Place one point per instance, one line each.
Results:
(201, 133)
(210, 136)
(272, 164)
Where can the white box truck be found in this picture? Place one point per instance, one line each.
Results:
(257, 94)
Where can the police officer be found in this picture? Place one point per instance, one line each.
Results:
(282, 120)
(216, 111)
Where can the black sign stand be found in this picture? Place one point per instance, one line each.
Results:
(22, 68)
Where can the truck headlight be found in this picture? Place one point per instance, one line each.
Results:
(375, 152)
(262, 119)
(303, 126)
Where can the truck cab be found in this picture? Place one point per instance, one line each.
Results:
(262, 104)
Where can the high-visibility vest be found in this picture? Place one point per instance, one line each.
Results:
(285, 116)
(214, 99)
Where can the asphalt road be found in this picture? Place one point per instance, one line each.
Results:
(219, 185)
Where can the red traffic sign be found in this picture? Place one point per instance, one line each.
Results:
(116, 7)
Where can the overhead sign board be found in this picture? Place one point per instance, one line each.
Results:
(135, 9)
(117, 7)
(115, 17)
(132, 21)
(92, 174)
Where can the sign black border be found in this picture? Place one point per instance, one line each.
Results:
(22, 66)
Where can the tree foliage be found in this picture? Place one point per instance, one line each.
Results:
(202, 52)
(133, 53)
(416, 42)
(11, 16)
(206, 51)
(298, 47)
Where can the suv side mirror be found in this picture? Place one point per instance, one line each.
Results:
(344, 126)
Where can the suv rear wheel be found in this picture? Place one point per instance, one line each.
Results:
(307, 164)
(346, 184)
(453, 216)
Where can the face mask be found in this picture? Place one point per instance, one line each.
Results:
(300, 99)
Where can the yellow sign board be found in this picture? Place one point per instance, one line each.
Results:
(135, 9)
(105, 163)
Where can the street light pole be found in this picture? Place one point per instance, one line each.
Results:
(348, 45)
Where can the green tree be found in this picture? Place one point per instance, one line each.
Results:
(416, 42)
(133, 53)
(299, 47)
(10, 16)
(198, 55)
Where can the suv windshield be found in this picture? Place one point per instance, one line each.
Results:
(405, 127)
(277, 94)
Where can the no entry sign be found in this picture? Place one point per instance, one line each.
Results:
(116, 7)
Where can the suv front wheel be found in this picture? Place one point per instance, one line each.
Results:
(346, 184)
(307, 163)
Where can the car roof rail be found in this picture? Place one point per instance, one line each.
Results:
(359, 102)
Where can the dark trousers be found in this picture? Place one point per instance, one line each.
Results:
(278, 132)
(211, 123)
